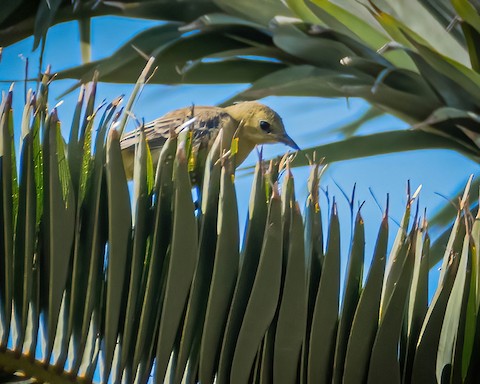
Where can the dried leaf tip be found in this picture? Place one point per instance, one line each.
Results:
(352, 197)
(424, 221)
(33, 100)
(296, 207)
(187, 124)
(54, 116)
(96, 75)
(334, 207)
(181, 152)
(140, 52)
(58, 105)
(275, 191)
(284, 162)
(409, 194)
(113, 134)
(360, 206)
(416, 217)
(417, 192)
(466, 193)
(148, 71)
(81, 94)
(259, 150)
(387, 206)
(270, 167)
(117, 101)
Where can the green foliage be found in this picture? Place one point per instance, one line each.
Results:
(154, 277)
(417, 60)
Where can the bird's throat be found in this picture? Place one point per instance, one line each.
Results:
(245, 146)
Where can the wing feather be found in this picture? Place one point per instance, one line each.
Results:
(208, 121)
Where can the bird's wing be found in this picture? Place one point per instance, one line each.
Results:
(208, 121)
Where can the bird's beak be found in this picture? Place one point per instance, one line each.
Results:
(285, 139)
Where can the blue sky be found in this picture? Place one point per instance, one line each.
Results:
(309, 121)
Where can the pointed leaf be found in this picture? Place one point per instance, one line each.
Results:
(325, 315)
(141, 231)
(291, 322)
(158, 266)
(9, 196)
(424, 365)
(450, 345)
(119, 232)
(224, 276)
(183, 256)
(418, 301)
(313, 239)
(384, 364)
(254, 232)
(264, 296)
(365, 322)
(377, 144)
(197, 302)
(59, 214)
(397, 256)
(353, 288)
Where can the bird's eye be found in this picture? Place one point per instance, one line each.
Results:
(265, 126)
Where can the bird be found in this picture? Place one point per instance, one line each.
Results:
(253, 123)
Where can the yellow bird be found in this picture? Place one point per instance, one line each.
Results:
(251, 122)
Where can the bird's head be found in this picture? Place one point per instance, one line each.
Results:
(260, 124)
